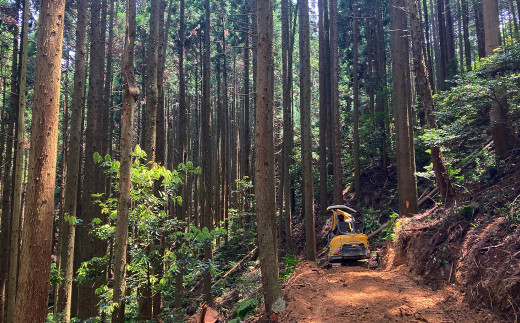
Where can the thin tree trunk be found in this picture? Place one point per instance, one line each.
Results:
(129, 102)
(94, 177)
(382, 97)
(68, 231)
(151, 82)
(264, 162)
(443, 42)
(8, 168)
(17, 213)
(451, 62)
(181, 154)
(334, 87)
(355, 85)
(206, 209)
(109, 80)
(305, 118)
(465, 30)
(460, 37)
(429, 55)
(479, 26)
(324, 70)
(287, 127)
(7, 173)
(33, 290)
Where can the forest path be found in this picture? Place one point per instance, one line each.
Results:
(357, 294)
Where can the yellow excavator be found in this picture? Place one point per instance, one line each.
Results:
(346, 242)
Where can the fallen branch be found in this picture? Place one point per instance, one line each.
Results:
(428, 196)
(371, 235)
(227, 273)
(235, 266)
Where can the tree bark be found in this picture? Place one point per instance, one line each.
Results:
(324, 70)
(491, 25)
(382, 96)
(407, 187)
(68, 231)
(465, 31)
(181, 150)
(129, 102)
(264, 161)
(17, 211)
(206, 209)
(94, 177)
(355, 85)
(479, 26)
(334, 88)
(7, 173)
(305, 119)
(33, 280)
(424, 90)
(151, 82)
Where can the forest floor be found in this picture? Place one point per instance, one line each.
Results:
(359, 294)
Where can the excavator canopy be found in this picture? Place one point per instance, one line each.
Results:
(346, 242)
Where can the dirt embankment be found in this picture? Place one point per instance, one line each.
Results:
(481, 256)
(357, 294)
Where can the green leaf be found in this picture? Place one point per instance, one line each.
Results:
(108, 158)
(96, 221)
(246, 307)
(198, 170)
(97, 158)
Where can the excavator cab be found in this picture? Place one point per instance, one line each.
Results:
(346, 242)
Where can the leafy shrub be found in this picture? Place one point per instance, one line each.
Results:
(289, 265)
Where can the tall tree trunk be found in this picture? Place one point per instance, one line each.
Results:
(17, 213)
(181, 152)
(206, 209)
(443, 42)
(479, 26)
(129, 101)
(161, 147)
(450, 42)
(382, 97)
(151, 82)
(465, 30)
(460, 36)
(68, 230)
(33, 290)
(290, 134)
(246, 119)
(264, 162)
(287, 127)
(424, 90)
(94, 177)
(324, 70)
(7, 172)
(429, 55)
(109, 80)
(407, 187)
(491, 25)
(355, 85)
(306, 145)
(150, 135)
(334, 88)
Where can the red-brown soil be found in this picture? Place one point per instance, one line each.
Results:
(357, 294)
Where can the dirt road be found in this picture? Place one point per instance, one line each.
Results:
(357, 294)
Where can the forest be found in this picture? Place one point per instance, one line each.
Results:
(174, 160)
